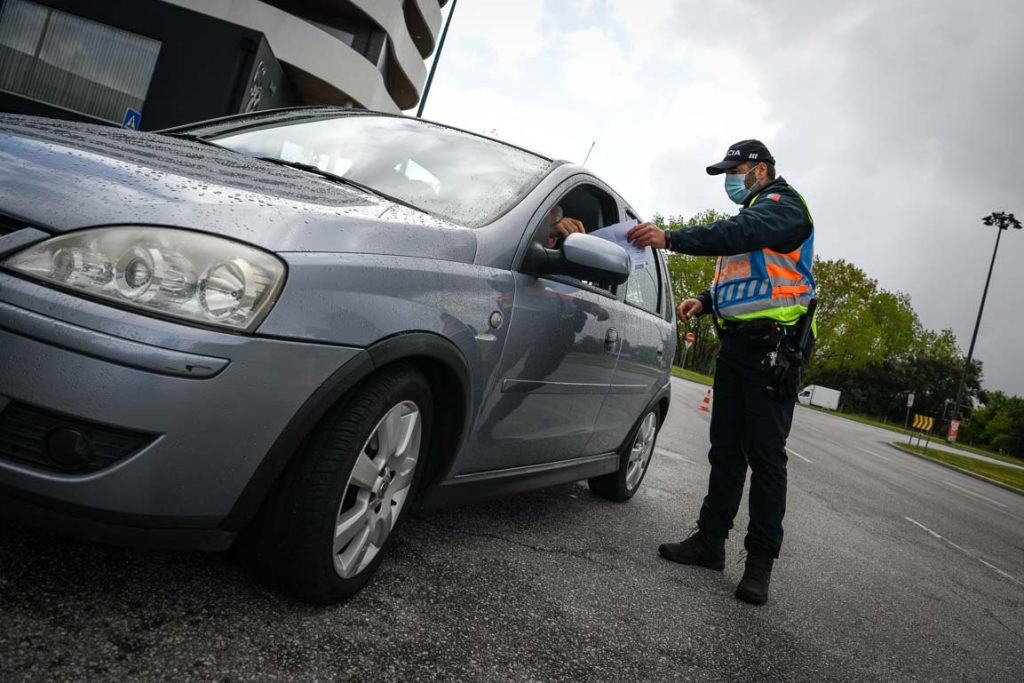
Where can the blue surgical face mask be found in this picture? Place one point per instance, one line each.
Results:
(736, 186)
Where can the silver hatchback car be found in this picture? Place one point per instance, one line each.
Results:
(274, 331)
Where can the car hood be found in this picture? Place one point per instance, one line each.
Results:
(61, 176)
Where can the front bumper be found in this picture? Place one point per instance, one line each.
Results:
(210, 404)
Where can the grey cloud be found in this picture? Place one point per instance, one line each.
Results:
(900, 123)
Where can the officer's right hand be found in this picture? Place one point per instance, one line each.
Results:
(647, 235)
(689, 307)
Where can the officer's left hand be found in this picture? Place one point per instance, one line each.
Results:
(647, 235)
(689, 307)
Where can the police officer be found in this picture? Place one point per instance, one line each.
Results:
(760, 297)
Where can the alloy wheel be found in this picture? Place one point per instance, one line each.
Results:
(640, 453)
(377, 489)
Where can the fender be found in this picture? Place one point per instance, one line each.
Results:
(665, 393)
(411, 345)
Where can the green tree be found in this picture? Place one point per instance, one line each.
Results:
(846, 329)
(998, 425)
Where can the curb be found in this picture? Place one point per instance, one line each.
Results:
(973, 475)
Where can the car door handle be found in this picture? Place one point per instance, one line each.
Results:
(611, 339)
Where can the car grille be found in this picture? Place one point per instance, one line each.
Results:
(25, 431)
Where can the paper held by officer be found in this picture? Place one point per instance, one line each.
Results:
(617, 233)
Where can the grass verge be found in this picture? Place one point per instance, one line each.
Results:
(1006, 475)
(692, 376)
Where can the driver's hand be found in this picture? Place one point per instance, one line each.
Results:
(562, 229)
(688, 308)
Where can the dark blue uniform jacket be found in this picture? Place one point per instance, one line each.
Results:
(781, 223)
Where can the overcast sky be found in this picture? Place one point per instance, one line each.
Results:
(898, 120)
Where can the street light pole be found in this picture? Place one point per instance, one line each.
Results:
(437, 58)
(1004, 221)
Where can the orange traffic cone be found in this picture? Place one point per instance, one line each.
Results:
(706, 403)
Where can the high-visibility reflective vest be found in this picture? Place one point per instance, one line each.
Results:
(766, 283)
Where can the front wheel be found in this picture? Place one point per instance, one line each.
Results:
(633, 462)
(322, 535)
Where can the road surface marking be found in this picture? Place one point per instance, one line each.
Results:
(877, 455)
(972, 493)
(999, 571)
(923, 527)
(674, 455)
(792, 452)
(932, 481)
(968, 553)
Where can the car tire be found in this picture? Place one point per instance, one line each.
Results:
(634, 461)
(324, 531)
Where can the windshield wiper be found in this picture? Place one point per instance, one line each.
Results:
(340, 179)
(193, 138)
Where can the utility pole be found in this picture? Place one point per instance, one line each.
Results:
(437, 58)
(1004, 221)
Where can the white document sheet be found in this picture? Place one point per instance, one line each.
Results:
(617, 233)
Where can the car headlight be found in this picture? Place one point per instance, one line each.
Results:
(178, 273)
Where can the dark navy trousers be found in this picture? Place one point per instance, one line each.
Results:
(749, 428)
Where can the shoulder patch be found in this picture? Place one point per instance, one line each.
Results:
(775, 197)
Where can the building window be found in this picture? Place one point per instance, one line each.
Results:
(72, 62)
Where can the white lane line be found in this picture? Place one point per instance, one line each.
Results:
(968, 553)
(674, 455)
(913, 521)
(877, 455)
(932, 481)
(792, 452)
(999, 571)
(908, 466)
(818, 441)
(972, 493)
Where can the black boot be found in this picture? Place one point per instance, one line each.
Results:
(757, 575)
(700, 549)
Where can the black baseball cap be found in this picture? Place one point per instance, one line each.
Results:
(744, 150)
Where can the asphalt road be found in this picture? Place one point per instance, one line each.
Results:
(893, 569)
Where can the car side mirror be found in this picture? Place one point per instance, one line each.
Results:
(584, 257)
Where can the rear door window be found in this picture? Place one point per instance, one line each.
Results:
(643, 289)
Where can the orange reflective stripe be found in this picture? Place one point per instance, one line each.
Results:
(789, 290)
(793, 256)
(785, 273)
(733, 268)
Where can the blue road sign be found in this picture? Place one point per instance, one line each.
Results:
(132, 119)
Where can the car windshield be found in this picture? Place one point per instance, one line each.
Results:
(463, 178)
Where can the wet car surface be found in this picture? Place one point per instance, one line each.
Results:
(273, 333)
